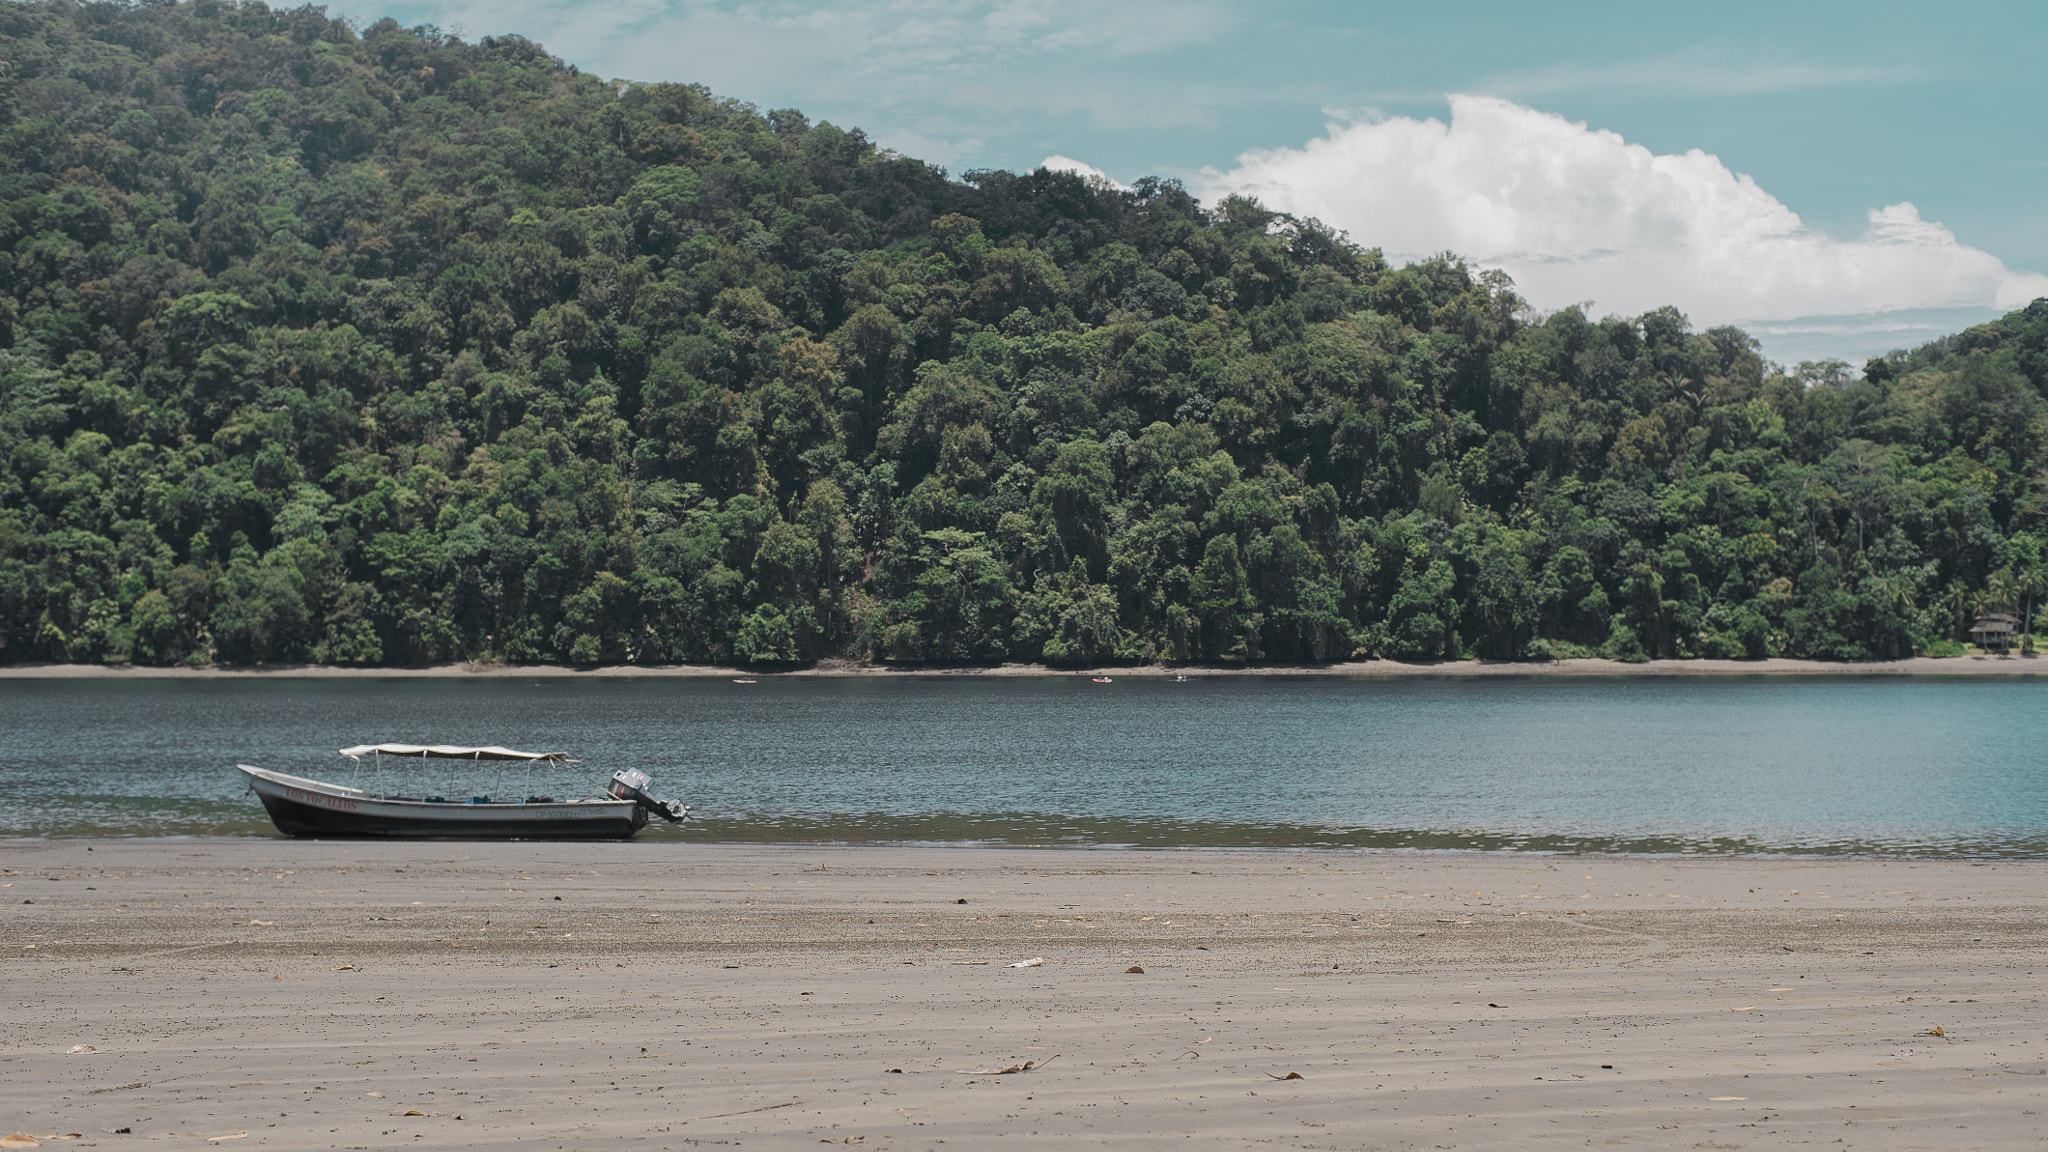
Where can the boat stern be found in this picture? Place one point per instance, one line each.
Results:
(635, 785)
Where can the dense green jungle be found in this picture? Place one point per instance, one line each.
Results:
(373, 346)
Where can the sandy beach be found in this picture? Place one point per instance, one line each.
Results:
(343, 995)
(1973, 665)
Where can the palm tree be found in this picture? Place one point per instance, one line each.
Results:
(1998, 591)
(1959, 600)
(1895, 596)
(2029, 582)
(1894, 592)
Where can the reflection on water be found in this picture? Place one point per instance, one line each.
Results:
(1893, 767)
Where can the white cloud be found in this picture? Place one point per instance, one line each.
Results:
(1090, 171)
(1577, 214)
(1859, 337)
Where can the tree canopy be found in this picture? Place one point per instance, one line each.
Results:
(376, 346)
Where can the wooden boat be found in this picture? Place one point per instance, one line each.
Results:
(300, 806)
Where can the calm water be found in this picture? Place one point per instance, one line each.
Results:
(1774, 765)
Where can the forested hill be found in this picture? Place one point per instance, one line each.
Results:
(380, 347)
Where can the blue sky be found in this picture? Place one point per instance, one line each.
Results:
(1896, 154)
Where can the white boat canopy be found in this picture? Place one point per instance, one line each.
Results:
(450, 752)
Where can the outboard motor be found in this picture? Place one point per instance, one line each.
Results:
(632, 784)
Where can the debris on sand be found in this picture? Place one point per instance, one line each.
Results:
(990, 1070)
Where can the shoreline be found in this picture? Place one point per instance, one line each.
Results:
(493, 995)
(258, 829)
(1390, 854)
(2000, 667)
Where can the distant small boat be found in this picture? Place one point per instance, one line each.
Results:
(1100, 679)
(1182, 679)
(744, 680)
(300, 806)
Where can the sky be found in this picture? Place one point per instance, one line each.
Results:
(1840, 179)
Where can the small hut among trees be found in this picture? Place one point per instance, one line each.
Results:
(1994, 631)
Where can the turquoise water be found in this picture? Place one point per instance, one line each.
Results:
(1834, 765)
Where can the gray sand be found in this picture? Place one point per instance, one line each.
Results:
(740, 995)
(1973, 665)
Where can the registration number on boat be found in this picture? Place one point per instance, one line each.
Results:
(317, 799)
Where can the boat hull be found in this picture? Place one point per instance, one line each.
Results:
(313, 808)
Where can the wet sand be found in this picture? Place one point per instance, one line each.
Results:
(1973, 665)
(312, 995)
